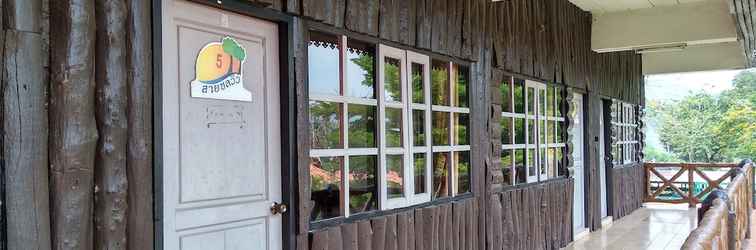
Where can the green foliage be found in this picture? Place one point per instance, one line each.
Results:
(233, 48)
(653, 154)
(707, 128)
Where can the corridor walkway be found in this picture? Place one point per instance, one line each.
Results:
(654, 226)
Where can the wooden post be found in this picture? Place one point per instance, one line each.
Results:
(691, 182)
(111, 185)
(24, 143)
(139, 158)
(73, 133)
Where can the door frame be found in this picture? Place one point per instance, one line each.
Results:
(288, 104)
(585, 116)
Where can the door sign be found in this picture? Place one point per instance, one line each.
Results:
(219, 72)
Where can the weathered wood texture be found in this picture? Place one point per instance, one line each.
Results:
(73, 132)
(536, 217)
(618, 75)
(111, 185)
(446, 226)
(628, 189)
(726, 218)
(139, 152)
(23, 119)
(745, 18)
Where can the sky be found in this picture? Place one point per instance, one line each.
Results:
(678, 85)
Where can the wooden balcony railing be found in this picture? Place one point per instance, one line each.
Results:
(725, 216)
(684, 182)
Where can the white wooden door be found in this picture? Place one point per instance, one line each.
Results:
(221, 130)
(578, 215)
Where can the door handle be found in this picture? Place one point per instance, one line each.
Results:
(278, 208)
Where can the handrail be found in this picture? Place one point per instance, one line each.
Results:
(685, 183)
(725, 216)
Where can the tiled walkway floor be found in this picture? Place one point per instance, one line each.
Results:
(651, 227)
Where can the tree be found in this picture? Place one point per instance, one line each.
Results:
(710, 128)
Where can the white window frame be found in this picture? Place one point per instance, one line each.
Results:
(627, 133)
(346, 152)
(424, 60)
(538, 115)
(453, 147)
(408, 148)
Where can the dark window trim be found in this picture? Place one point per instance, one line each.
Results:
(327, 29)
(332, 222)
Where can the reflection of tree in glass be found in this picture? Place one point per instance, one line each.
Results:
(325, 123)
(366, 62)
(362, 183)
(417, 83)
(463, 170)
(440, 171)
(361, 126)
(392, 81)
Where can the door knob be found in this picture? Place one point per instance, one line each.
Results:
(278, 208)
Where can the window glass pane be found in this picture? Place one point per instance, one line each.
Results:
(395, 176)
(506, 95)
(440, 129)
(542, 131)
(362, 121)
(418, 130)
(393, 127)
(325, 183)
(323, 69)
(440, 175)
(551, 136)
(561, 130)
(506, 133)
(531, 131)
(363, 185)
(392, 79)
(519, 130)
(543, 163)
(461, 122)
(418, 88)
(360, 67)
(558, 108)
(440, 81)
(462, 168)
(519, 96)
(560, 167)
(325, 122)
(461, 86)
(531, 162)
(519, 155)
(550, 101)
(420, 174)
(531, 101)
(506, 166)
(552, 162)
(542, 102)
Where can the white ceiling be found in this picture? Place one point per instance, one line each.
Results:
(598, 7)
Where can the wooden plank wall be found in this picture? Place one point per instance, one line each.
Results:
(627, 183)
(746, 19)
(535, 217)
(445, 226)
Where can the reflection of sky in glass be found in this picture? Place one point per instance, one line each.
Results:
(323, 69)
(355, 77)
